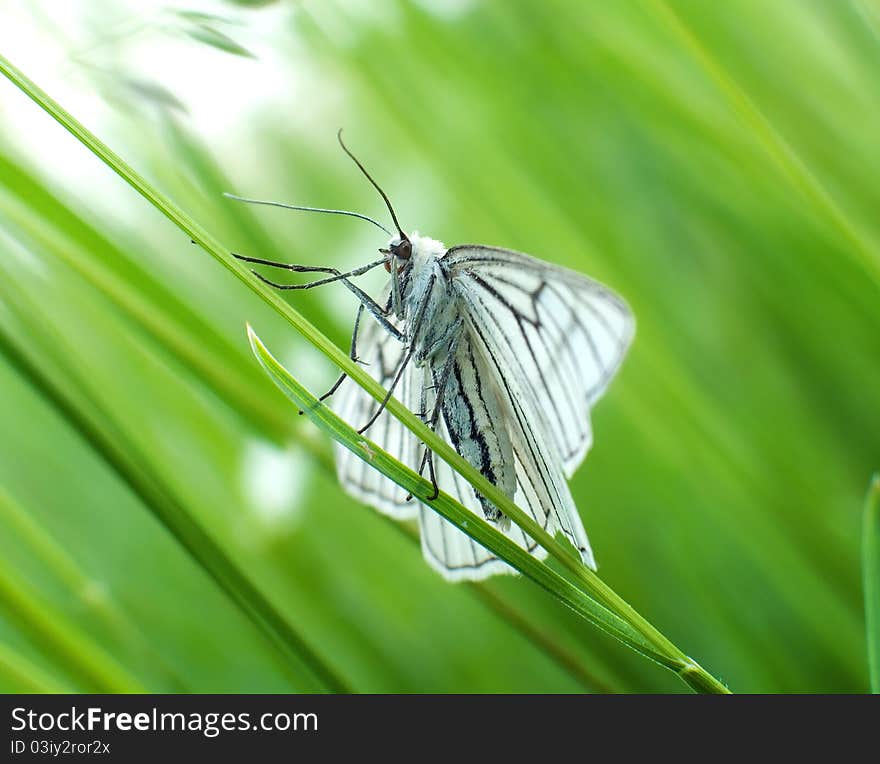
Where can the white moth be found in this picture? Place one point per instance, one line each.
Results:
(503, 355)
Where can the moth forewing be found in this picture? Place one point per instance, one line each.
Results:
(503, 356)
(473, 410)
(562, 333)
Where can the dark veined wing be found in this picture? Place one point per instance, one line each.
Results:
(451, 552)
(541, 490)
(554, 331)
(382, 355)
(454, 554)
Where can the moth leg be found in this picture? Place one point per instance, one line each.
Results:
(423, 415)
(376, 310)
(442, 381)
(440, 385)
(352, 354)
(337, 275)
(410, 351)
(384, 403)
(429, 457)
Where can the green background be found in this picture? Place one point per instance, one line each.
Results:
(716, 164)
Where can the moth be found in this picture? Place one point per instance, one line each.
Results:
(502, 355)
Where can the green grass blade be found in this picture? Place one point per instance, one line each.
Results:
(96, 669)
(694, 675)
(173, 337)
(211, 368)
(541, 638)
(871, 578)
(19, 672)
(481, 531)
(311, 333)
(510, 613)
(96, 600)
(126, 459)
(863, 246)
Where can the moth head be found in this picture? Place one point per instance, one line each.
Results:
(400, 247)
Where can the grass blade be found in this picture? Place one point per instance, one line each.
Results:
(126, 459)
(668, 654)
(219, 371)
(103, 607)
(478, 529)
(96, 669)
(871, 578)
(17, 671)
(780, 150)
(319, 340)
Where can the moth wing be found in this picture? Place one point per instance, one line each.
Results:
(541, 491)
(560, 334)
(453, 553)
(450, 551)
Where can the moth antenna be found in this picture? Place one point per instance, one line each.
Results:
(375, 185)
(303, 208)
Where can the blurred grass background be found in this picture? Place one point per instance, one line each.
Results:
(715, 164)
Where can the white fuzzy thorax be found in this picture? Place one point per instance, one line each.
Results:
(424, 249)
